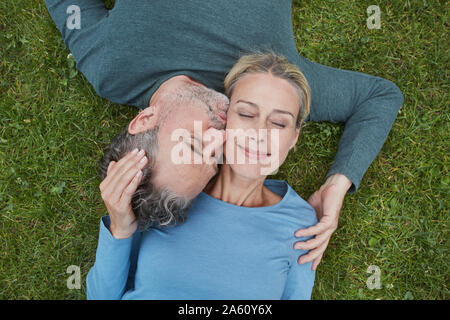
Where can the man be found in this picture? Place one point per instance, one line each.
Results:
(169, 58)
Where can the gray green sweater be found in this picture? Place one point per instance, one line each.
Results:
(126, 53)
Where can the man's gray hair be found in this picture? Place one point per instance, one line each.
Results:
(153, 207)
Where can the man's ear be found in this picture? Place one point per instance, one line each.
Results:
(147, 119)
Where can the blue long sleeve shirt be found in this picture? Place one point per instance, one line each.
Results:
(222, 252)
(126, 53)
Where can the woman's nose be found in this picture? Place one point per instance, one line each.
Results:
(260, 133)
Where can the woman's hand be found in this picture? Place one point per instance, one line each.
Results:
(327, 202)
(117, 189)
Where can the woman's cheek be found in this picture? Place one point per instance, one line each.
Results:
(281, 145)
(232, 120)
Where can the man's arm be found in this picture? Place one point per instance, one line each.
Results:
(366, 104)
(327, 202)
(84, 40)
(91, 12)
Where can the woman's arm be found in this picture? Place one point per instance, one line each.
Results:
(300, 278)
(119, 239)
(114, 265)
(300, 282)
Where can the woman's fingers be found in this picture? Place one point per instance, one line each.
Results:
(110, 166)
(121, 175)
(113, 167)
(119, 165)
(117, 188)
(131, 188)
(122, 181)
(124, 164)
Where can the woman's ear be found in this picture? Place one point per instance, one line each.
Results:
(147, 119)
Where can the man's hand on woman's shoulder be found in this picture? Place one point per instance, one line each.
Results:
(327, 202)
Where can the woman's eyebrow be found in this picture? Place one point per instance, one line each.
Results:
(256, 106)
(249, 103)
(284, 112)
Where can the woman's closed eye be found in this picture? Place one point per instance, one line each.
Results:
(250, 116)
(280, 125)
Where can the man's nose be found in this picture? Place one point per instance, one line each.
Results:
(213, 141)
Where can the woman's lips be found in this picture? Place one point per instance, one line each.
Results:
(251, 154)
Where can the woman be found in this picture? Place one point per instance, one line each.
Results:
(237, 242)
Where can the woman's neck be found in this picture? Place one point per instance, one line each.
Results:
(240, 191)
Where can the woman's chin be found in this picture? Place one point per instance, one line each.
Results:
(249, 171)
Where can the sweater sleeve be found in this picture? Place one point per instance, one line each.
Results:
(91, 12)
(113, 270)
(300, 278)
(86, 42)
(299, 282)
(368, 106)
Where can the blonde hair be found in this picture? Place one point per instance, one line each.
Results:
(277, 66)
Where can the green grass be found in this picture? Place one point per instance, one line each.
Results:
(53, 128)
